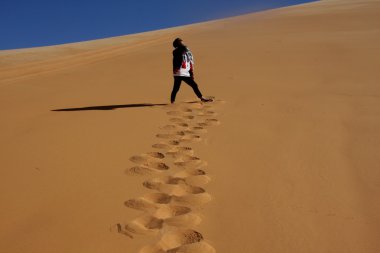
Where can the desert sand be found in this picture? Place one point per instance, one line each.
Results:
(93, 159)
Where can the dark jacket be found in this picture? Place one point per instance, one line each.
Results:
(182, 61)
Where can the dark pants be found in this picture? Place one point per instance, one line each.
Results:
(189, 81)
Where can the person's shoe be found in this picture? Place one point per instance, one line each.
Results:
(206, 99)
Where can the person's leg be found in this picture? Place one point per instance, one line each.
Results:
(193, 85)
(176, 85)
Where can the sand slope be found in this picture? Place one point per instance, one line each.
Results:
(293, 164)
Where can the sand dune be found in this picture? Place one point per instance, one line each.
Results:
(93, 159)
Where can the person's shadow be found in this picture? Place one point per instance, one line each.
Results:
(111, 107)
(106, 107)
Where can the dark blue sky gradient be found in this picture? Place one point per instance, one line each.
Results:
(31, 23)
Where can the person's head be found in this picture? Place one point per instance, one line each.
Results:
(177, 42)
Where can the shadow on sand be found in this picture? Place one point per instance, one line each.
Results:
(111, 107)
(106, 107)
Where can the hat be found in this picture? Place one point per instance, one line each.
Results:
(176, 42)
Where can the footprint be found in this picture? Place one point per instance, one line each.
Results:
(147, 158)
(190, 172)
(212, 122)
(144, 225)
(167, 136)
(176, 120)
(178, 152)
(169, 180)
(139, 159)
(174, 142)
(193, 199)
(186, 158)
(199, 129)
(174, 113)
(169, 127)
(153, 249)
(186, 109)
(198, 180)
(168, 211)
(202, 124)
(161, 146)
(172, 189)
(140, 204)
(182, 124)
(176, 238)
(186, 220)
(206, 113)
(140, 170)
(119, 228)
(156, 165)
(191, 138)
(198, 247)
(158, 198)
(157, 155)
(191, 164)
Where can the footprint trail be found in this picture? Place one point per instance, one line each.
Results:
(177, 183)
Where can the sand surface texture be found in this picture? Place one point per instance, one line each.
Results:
(286, 159)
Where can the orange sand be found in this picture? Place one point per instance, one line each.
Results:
(294, 164)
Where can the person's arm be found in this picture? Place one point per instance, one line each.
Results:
(191, 71)
(177, 60)
(191, 58)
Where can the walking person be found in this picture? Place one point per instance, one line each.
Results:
(183, 70)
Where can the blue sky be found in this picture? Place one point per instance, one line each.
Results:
(31, 23)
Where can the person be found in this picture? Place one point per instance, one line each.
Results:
(183, 70)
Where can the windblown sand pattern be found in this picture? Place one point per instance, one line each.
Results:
(171, 210)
